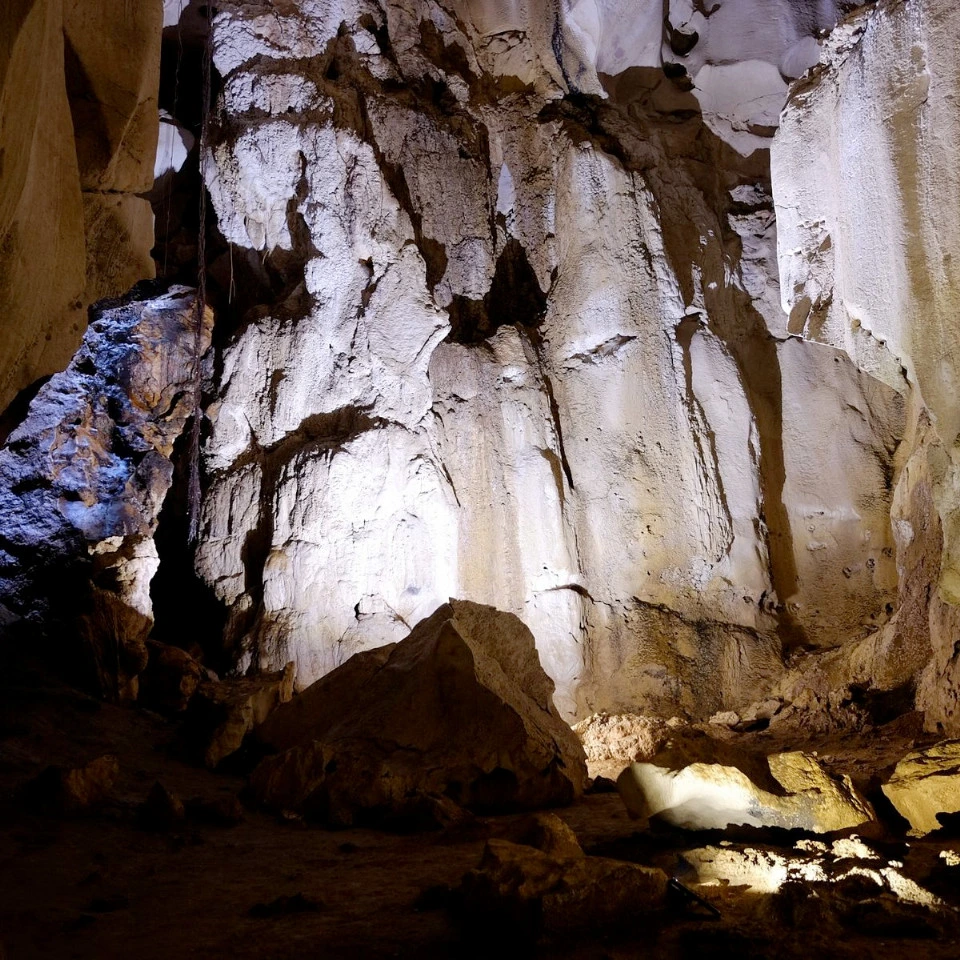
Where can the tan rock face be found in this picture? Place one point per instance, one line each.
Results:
(78, 97)
(612, 742)
(461, 710)
(709, 796)
(526, 352)
(926, 784)
(870, 272)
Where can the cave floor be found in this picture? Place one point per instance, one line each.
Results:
(100, 886)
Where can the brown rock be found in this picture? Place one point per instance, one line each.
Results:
(61, 790)
(162, 809)
(171, 677)
(549, 834)
(531, 893)
(460, 709)
(78, 95)
(223, 712)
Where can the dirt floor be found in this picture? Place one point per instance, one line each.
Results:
(102, 886)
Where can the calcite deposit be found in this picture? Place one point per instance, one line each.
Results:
(711, 796)
(523, 344)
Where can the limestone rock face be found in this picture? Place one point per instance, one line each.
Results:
(511, 344)
(83, 478)
(460, 710)
(78, 97)
(870, 271)
(925, 784)
(710, 796)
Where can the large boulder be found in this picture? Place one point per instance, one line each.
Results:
(925, 784)
(461, 710)
(712, 796)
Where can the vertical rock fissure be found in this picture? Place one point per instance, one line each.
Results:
(755, 354)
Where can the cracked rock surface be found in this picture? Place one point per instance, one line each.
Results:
(522, 343)
(83, 478)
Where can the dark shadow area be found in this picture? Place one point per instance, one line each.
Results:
(514, 299)
(186, 611)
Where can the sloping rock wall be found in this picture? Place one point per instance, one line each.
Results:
(524, 346)
(78, 101)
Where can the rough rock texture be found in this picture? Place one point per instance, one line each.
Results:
(517, 337)
(521, 893)
(837, 890)
(612, 742)
(222, 714)
(73, 790)
(78, 101)
(866, 168)
(710, 796)
(83, 478)
(925, 784)
(459, 711)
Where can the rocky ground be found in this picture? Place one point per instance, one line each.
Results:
(227, 880)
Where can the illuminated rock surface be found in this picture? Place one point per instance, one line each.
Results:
(865, 171)
(925, 784)
(515, 346)
(83, 478)
(709, 796)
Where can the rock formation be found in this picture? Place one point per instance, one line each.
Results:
(710, 796)
(517, 345)
(865, 172)
(521, 893)
(459, 711)
(83, 478)
(925, 785)
(78, 97)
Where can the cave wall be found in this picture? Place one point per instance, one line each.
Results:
(866, 175)
(524, 345)
(78, 133)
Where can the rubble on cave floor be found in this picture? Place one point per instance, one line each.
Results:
(172, 860)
